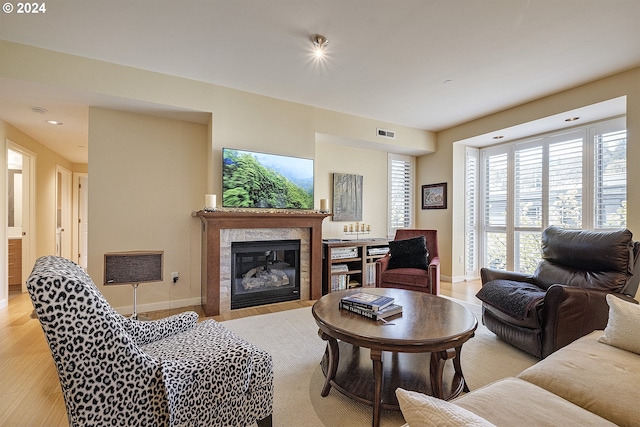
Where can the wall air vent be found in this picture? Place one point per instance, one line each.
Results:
(391, 134)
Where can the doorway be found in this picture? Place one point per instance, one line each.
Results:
(20, 216)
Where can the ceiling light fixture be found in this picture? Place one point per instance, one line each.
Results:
(39, 110)
(54, 122)
(572, 119)
(319, 42)
(498, 137)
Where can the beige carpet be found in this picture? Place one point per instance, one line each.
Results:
(291, 337)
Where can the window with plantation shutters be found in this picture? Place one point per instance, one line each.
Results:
(401, 194)
(575, 179)
(471, 212)
(495, 190)
(527, 205)
(495, 187)
(566, 180)
(610, 180)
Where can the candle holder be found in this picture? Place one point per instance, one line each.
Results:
(356, 233)
(357, 230)
(324, 206)
(209, 202)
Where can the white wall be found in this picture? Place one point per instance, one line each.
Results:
(146, 174)
(372, 165)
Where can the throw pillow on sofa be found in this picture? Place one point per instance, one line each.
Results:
(420, 410)
(409, 253)
(623, 327)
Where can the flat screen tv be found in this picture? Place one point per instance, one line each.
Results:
(258, 180)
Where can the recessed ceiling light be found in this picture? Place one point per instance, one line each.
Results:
(54, 122)
(498, 137)
(39, 110)
(572, 119)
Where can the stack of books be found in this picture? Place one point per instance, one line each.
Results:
(339, 281)
(373, 306)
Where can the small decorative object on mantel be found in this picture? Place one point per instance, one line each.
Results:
(209, 202)
(434, 196)
(324, 205)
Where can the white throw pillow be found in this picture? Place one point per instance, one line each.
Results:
(420, 410)
(623, 328)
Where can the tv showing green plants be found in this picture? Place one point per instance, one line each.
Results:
(259, 180)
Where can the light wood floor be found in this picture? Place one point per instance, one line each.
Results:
(30, 394)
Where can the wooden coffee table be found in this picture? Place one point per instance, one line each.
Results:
(410, 351)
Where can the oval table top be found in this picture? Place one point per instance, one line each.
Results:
(428, 323)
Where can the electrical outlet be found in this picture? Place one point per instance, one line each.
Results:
(175, 277)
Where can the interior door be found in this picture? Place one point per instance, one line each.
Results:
(83, 220)
(63, 213)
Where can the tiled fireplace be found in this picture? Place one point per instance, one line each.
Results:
(262, 236)
(222, 228)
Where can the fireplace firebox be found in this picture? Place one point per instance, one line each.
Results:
(264, 272)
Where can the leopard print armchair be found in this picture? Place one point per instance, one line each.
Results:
(170, 372)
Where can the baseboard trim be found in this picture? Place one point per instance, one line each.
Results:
(157, 306)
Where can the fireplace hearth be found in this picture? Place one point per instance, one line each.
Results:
(264, 272)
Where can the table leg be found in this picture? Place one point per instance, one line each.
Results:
(332, 363)
(458, 370)
(376, 357)
(438, 360)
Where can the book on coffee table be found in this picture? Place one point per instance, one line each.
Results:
(367, 301)
(388, 311)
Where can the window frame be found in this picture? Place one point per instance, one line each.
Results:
(408, 192)
(512, 230)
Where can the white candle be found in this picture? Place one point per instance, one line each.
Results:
(209, 201)
(324, 204)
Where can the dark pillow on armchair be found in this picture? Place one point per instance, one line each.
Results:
(409, 253)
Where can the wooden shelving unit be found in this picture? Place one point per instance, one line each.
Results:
(350, 263)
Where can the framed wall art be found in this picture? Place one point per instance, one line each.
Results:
(347, 197)
(434, 196)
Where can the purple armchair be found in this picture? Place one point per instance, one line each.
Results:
(414, 279)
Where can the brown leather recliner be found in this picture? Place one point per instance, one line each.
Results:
(425, 279)
(565, 298)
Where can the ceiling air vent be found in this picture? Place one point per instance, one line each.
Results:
(391, 134)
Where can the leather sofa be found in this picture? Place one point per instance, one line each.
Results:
(564, 299)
